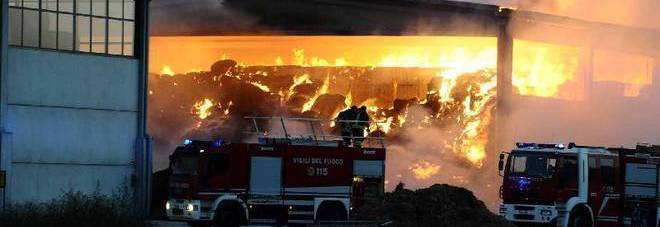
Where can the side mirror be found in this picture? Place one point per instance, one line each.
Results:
(500, 164)
(170, 163)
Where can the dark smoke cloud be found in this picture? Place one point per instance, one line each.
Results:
(215, 17)
(187, 17)
(205, 17)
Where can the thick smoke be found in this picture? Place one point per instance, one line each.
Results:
(638, 13)
(611, 100)
(421, 158)
(591, 113)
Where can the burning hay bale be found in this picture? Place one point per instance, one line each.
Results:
(223, 66)
(450, 111)
(327, 105)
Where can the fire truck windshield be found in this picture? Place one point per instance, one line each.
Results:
(184, 164)
(533, 165)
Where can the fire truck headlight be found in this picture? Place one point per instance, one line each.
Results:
(190, 207)
(167, 205)
(502, 209)
(546, 212)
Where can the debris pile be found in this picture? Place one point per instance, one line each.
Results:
(438, 205)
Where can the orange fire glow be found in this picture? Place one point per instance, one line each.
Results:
(456, 53)
(540, 69)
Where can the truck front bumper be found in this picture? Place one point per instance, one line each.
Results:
(184, 210)
(528, 213)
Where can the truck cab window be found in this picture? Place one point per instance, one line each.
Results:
(569, 172)
(607, 171)
(533, 165)
(218, 164)
(519, 164)
(185, 164)
(593, 167)
(373, 187)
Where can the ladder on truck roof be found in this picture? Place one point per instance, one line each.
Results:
(313, 134)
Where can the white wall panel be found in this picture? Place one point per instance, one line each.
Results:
(63, 135)
(43, 182)
(72, 118)
(42, 77)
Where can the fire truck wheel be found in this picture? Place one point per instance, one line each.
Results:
(580, 217)
(198, 224)
(229, 214)
(331, 211)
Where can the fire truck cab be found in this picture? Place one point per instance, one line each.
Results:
(275, 181)
(554, 185)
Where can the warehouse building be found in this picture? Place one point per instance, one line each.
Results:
(73, 89)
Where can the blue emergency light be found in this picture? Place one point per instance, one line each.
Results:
(523, 183)
(187, 142)
(525, 145)
(540, 145)
(218, 142)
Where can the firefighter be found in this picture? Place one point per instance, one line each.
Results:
(361, 123)
(344, 125)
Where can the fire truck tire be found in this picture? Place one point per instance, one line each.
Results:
(580, 217)
(198, 224)
(331, 211)
(229, 214)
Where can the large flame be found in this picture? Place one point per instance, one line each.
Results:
(321, 91)
(424, 170)
(541, 69)
(203, 108)
(261, 86)
(167, 70)
(451, 78)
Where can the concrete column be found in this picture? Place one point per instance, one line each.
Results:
(655, 79)
(587, 68)
(5, 158)
(656, 72)
(503, 134)
(143, 141)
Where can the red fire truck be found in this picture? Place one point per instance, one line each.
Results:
(578, 186)
(275, 181)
